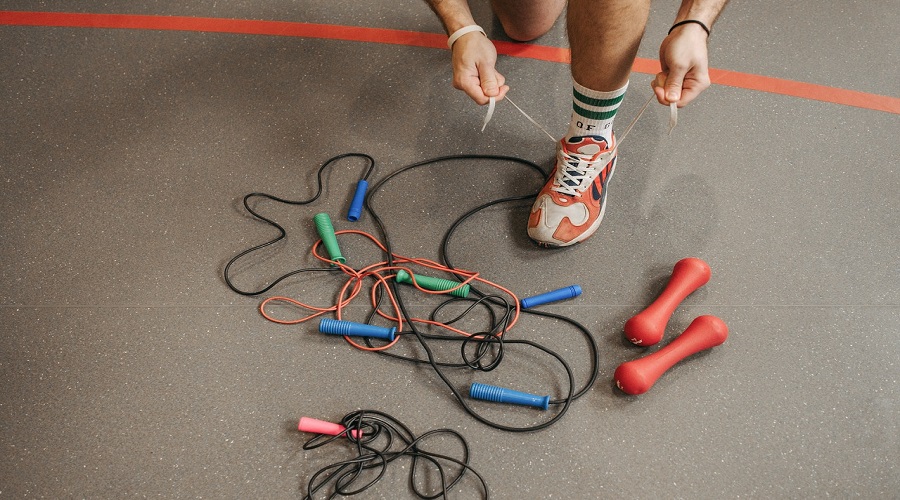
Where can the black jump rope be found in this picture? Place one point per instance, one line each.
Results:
(489, 345)
(379, 439)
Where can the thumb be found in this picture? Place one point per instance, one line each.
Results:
(491, 80)
(674, 83)
(490, 85)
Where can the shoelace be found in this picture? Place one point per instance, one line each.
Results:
(582, 168)
(673, 117)
(578, 170)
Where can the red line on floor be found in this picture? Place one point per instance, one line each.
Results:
(430, 40)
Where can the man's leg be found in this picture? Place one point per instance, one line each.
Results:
(525, 20)
(604, 36)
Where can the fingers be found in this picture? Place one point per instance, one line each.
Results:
(481, 88)
(689, 92)
(679, 88)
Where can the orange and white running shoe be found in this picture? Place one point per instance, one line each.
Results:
(570, 207)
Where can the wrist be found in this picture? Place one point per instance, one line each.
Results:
(465, 30)
(695, 24)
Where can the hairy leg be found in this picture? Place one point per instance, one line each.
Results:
(604, 36)
(525, 20)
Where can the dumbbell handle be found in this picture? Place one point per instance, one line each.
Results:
(648, 326)
(639, 375)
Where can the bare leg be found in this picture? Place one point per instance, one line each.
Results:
(525, 20)
(604, 36)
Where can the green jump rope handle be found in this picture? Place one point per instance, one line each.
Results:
(435, 284)
(326, 232)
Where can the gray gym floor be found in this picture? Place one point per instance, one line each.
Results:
(129, 368)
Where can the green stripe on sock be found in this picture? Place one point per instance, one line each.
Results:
(590, 101)
(593, 115)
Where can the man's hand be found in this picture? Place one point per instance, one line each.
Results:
(685, 66)
(474, 58)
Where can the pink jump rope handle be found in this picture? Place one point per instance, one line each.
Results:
(639, 375)
(316, 426)
(647, 327)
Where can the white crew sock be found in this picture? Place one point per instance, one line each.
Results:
(593, 111)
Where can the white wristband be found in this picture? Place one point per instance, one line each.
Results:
(462, 31)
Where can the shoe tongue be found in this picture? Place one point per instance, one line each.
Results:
(589, 149)
(587, 145)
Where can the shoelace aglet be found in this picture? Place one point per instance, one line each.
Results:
(490, 112)
(673, 116)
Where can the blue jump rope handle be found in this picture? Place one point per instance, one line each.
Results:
(357, 203)
(501, 395)
(349, 328)
(556, 295)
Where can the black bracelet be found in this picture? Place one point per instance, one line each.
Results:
(690, 21)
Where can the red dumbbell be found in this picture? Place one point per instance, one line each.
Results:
(639, 375)
(647, 327)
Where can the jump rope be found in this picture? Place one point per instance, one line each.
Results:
(481, 351)
(379, 440)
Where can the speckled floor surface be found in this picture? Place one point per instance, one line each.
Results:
(129, 368)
